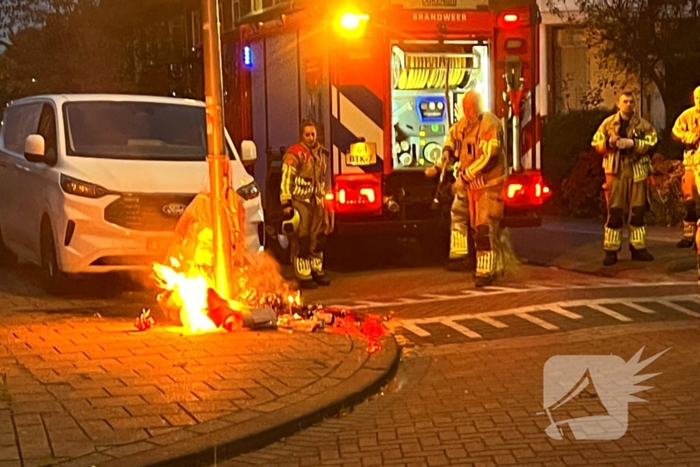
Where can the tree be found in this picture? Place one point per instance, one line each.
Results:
(72, 46)
(654, 37)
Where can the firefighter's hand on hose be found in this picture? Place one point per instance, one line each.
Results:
(287, 212)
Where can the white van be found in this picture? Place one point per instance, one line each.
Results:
(96, 183)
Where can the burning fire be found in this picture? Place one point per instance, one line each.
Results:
(188, 294)
(187, 280)
(260, 297)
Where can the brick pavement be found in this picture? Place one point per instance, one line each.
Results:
(92, 391)
(476, 405)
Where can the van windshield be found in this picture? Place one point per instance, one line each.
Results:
(135, 130)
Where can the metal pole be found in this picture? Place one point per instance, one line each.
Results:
(449, 102)
(517, 164)
(217, 159)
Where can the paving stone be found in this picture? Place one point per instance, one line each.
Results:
(86, 391)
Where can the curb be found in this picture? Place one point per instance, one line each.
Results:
(247, 436)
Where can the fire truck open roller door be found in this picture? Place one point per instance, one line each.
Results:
(428, 81)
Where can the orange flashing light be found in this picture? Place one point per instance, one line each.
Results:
(351, 24)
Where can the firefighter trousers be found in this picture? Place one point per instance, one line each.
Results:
(627, 204)
(481, 210)
(308, 242)
(691, 203)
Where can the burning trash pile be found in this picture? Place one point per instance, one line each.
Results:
(259, 297)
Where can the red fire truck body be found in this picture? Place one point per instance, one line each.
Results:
(383, 80)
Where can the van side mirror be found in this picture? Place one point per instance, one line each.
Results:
(249, 153)
(34, 149)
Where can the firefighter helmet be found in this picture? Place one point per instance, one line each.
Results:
(290, 226)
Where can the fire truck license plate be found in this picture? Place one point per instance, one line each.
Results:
(362, 154)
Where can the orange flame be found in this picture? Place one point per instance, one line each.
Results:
(189, 295)
(187, 282)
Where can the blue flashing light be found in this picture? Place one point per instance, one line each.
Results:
(247, 57)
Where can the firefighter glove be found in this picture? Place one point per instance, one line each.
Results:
(287, 212)
(624, 143)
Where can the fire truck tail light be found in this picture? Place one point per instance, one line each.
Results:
(358, 194)
(526, 190)
(368, 193)
(514, 189)
(509, 20)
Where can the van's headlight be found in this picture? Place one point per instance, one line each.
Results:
(249, 191)
(77, 187)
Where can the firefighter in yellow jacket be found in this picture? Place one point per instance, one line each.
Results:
(475, 143)
(687, 131)
(624, 140)
(302, 196)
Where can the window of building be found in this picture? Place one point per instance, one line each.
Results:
(571, 70)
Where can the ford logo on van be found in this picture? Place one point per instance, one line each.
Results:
(174, 209)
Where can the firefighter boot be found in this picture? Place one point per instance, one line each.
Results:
(317, 270)
(321, 279)
(483, 281)
(485, 268)
(308, 285)
(641, 255)
(610, 258)
(685, 243)
(302, 271)
(688, 235)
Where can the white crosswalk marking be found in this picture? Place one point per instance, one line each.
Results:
(679, 308)
(420, 332)
(561, 311)
(638, 307)
(495, 290)
(492, 322)
(609, 312)
(560, 308)
(539, 322)
(437, 296)
(459, 328)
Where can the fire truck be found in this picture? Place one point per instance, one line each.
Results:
(383, 80)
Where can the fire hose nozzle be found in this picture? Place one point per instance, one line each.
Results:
(392, 205)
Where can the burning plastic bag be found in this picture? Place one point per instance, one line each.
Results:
(187, 276)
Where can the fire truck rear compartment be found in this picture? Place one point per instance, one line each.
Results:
(428, 83)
